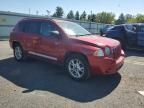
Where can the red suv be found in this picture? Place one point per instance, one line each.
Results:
(64, 42)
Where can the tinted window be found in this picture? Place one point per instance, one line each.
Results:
(141, 28)
(113, 28)
(29, 27)
(129, 27)
(118, 28)
(46, 28)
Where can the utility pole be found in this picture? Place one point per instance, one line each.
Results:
(29, 11)
(48, 12)
(90, 21)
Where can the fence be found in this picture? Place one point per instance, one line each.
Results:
(9, 19)
(92, 27)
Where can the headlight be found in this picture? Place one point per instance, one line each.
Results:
(107, 51)
(99, 53)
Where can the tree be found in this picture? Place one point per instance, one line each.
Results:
(132, 20)
(105, 17)
(59, 12)
(77, 16)
(70, 15)
(128, 17)
(54, 15)
(89, 18)
(140, 18)
(121, 19)
(83, 16)
(92, 18)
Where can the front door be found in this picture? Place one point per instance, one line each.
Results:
(141, 35)
(131, 33)
(50, 45)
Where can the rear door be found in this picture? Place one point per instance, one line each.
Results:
(30, 35)
(140, 35)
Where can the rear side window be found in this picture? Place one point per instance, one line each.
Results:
(46, 28)
(114, 28)
(119, 28)
(29, 27)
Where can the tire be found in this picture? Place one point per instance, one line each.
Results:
(101, 33)
(19, 53)
(77, 67)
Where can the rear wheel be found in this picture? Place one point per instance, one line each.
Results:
(19, 53)
(77, 67)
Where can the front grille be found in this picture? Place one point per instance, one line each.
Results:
(117, 52)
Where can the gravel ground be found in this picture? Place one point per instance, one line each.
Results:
(39, 84)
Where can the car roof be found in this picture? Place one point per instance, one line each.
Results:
(129, 24)
(47, 19)
(27, 19)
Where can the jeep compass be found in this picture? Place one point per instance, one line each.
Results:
(63, 42)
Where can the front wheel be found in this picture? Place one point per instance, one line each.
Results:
(123, 44)
(77, 67)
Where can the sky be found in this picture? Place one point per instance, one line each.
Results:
(115, 6)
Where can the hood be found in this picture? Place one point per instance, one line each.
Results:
(99, 41)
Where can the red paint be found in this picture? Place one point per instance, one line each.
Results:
(58, 48)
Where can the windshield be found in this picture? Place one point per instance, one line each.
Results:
(73, 29)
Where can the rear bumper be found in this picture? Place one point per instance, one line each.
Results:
(106, 66)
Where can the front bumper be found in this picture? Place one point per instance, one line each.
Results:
(106, 65)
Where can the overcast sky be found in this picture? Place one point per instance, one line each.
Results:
(115, 6)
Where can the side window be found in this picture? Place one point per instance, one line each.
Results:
(129, 27)
(33, 27)
(116, 28)
(46, 28)
(113, 28)
(21, 26)
(29, 27)
(141, 28)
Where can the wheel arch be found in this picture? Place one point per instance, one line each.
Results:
(14, 43)
(75, 53)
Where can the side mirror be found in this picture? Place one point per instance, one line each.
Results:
(134, 29)
(55, 33)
